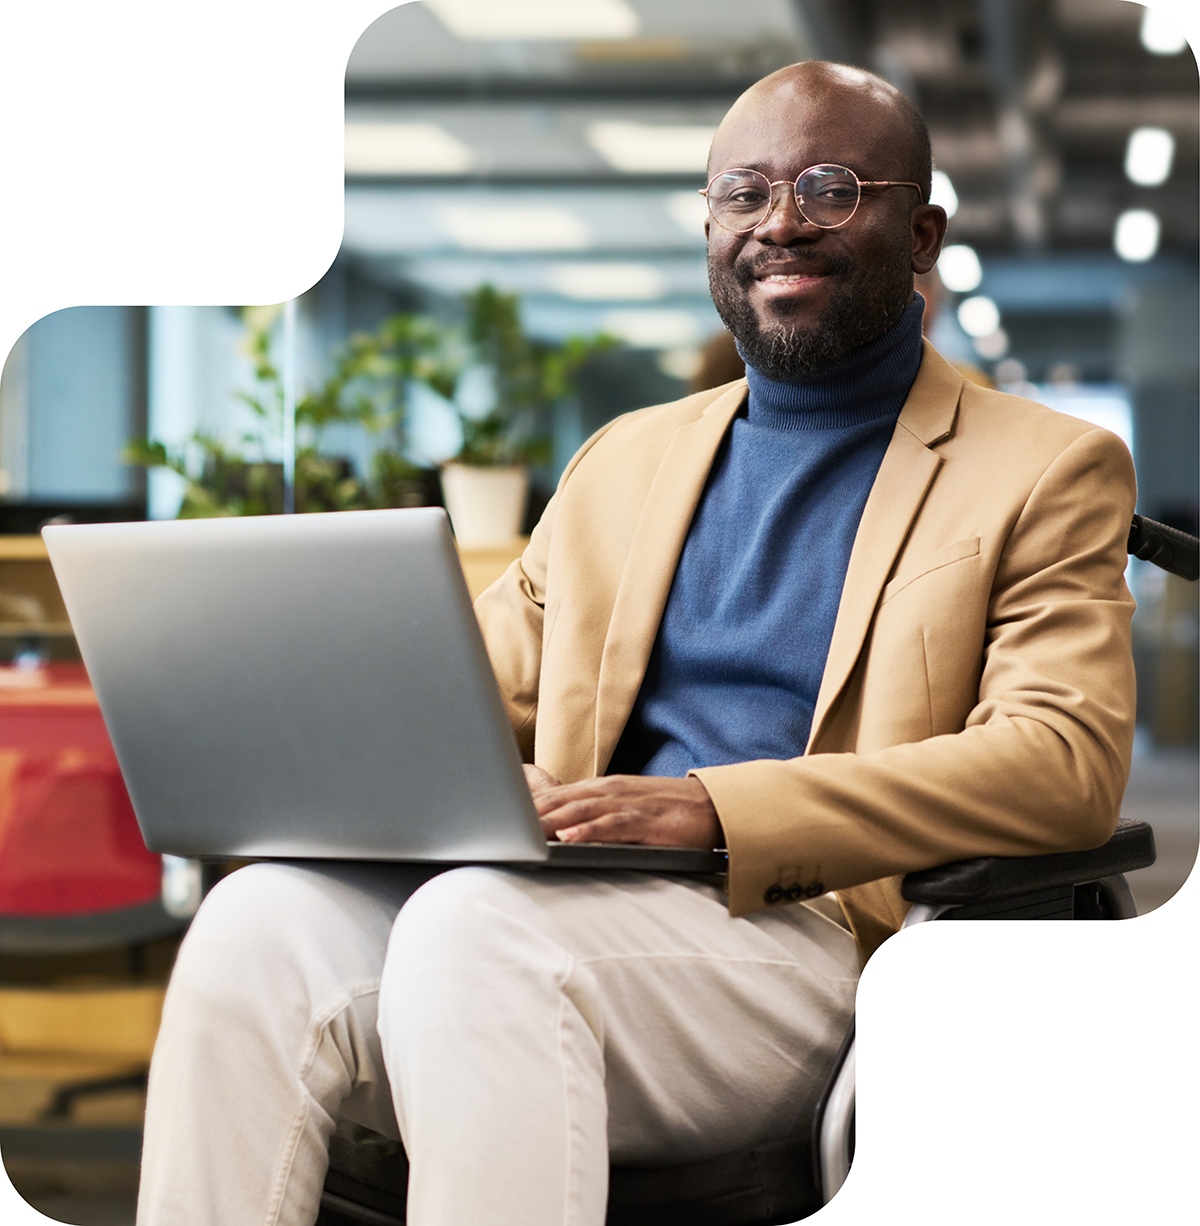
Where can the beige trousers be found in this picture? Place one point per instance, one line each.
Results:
(517, 1029)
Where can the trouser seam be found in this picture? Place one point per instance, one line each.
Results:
(562, 1065)
(599, 960)
(317, 1029)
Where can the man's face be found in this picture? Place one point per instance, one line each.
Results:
(796, 297)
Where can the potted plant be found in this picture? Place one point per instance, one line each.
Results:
(366, 386)
(507, 384)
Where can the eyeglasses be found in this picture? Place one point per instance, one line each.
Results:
(826, 195)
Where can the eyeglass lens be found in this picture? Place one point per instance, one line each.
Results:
(827, 195)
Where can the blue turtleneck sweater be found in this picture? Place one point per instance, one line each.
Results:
(737, 663)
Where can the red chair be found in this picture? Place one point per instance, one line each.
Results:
(74, 873)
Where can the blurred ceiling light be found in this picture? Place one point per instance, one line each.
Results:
(993, 345)
(649, 148)
(979, 316)
(1010, 371)
(537, 19)
(1159, 35)
(688, 210)
(1065, 375)
(960, 269)
(1136, 236)
(383, 148)
(1148, 156)
(653, 329)
(943, 193)
(609, 280)
(545, 228)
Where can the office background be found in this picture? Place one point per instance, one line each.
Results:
(564, 169)
(77, 457)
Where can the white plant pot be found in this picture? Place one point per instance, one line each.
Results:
(486, 505)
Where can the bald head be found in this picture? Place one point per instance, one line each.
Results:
(822, 91)
(797, 293)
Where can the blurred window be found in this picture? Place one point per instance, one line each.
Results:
(1102, 404)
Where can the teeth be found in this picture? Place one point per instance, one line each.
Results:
(790, 276)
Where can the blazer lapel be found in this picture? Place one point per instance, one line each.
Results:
(904, 478)
(649, 570)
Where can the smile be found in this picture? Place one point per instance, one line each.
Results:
(789, 285)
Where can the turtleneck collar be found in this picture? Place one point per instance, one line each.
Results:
(872, 382)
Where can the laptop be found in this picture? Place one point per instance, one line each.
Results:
(308, 687)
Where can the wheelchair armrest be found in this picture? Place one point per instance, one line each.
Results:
(993, 878)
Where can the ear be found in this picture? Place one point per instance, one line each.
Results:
(928, 234)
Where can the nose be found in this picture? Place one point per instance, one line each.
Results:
(784, 223)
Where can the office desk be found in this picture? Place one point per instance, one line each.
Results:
(30, 602)
(482, 567)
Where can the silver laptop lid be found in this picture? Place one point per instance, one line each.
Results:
(297, 686)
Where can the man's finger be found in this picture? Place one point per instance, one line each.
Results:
(570, 794)
(551, 798)
(619, 827)
(538, 780)
(573, 812)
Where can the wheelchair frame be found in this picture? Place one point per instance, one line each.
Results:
(1067, 885)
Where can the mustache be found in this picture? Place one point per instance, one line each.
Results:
(823, 264)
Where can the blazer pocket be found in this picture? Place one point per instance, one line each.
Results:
(947, 556)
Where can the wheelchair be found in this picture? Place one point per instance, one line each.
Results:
(787, 1180)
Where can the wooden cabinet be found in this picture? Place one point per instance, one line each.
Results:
(31, 607)
(482, 567)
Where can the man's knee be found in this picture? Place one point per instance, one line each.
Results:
(461, 914)
(476, 971)
(271, 928)
(243, 928)
(472, 932)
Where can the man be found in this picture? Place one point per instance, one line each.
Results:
(862, 620)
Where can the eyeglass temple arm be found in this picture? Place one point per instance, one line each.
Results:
(703, 191)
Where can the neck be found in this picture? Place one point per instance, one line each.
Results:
(872, 381)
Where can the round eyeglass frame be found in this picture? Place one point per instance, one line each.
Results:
(795, 185)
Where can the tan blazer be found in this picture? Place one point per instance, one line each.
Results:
(978, 697)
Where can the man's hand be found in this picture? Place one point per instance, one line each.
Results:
(539, 779)
(628, 809)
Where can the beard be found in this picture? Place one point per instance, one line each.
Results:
(787, 352)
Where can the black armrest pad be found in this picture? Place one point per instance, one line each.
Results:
(991, 878)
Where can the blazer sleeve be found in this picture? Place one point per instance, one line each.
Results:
(512, 616)
(1041, 761)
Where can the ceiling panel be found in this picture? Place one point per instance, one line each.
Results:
(1030, 104)
(676, 37)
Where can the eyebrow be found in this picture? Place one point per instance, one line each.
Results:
(863, 177)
